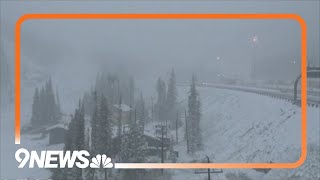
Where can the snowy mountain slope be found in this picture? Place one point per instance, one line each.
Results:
(245, 127)
(237, 127)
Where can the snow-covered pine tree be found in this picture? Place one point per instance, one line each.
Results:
(75, 140)
(141, 112)
(161, 100)
(45, 110)
(118, 140)
(79, 139)
(35, 109)
(50, 103)
(133, 150)
(133, 145)
(80, 127)
(58, 114)
(171, 100)
(88, 172)
(95, 126)
(43, 107)
(131, 91)
(105, 129)
(88, 101)
(194, 116)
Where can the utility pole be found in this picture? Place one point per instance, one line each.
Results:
(135, 116)
(166, 128)
(187, 133)
(105, 174)
(162, 146)
(162, 130)
(152, 111)
(208, 159)
(177, 127)
(209, 172)
(120, 128)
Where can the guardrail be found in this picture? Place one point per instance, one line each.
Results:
(312, 100)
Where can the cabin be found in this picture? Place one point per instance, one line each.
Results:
(125, 112)
(57, 133)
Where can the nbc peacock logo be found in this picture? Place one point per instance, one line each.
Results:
(61, 159)
(101, 160)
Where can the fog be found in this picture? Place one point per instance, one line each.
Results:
(154, 47)
(150, 48)
(73, 52)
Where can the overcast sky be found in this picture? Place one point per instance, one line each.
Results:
(150, 48)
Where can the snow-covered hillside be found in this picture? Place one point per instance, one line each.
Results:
(236, 127)
(245, 127)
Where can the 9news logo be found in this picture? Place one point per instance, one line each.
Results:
(61, 159)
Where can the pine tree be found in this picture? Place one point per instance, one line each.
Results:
(88, 172)
(101, 136)
(50, 103)
(95, 127)
(131, 91)
(45, 108)
(161, 100)
(105, 129)
(194, 115)
(119, 130)
(141, 112)
(171, 100)
(79, 139)
(133, 151)
(133, 145)
(35, 119)
(75, 140)
(58, 114)
(80, 127)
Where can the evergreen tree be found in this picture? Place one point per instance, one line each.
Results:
(95, 127)
(105, 129)
(141, 112)
(133, 151)
(89, 172)
(131, 91)
(194, 115)
(58, 106)
(45, 108)
(101, 129)
(171, 100)
(161, 100)
(119, 130)
(79, 139)
(95, 137)
(88, 102)
(50, 103)
(133, 145)
(35, 119)
(75, 140)
(80, 127)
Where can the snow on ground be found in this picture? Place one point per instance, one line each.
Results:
(236, 127)
(245, 127)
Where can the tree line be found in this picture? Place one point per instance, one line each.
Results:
(97, 136)
(46, 106)
(98, 125)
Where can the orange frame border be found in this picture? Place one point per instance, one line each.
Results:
(294, 17)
